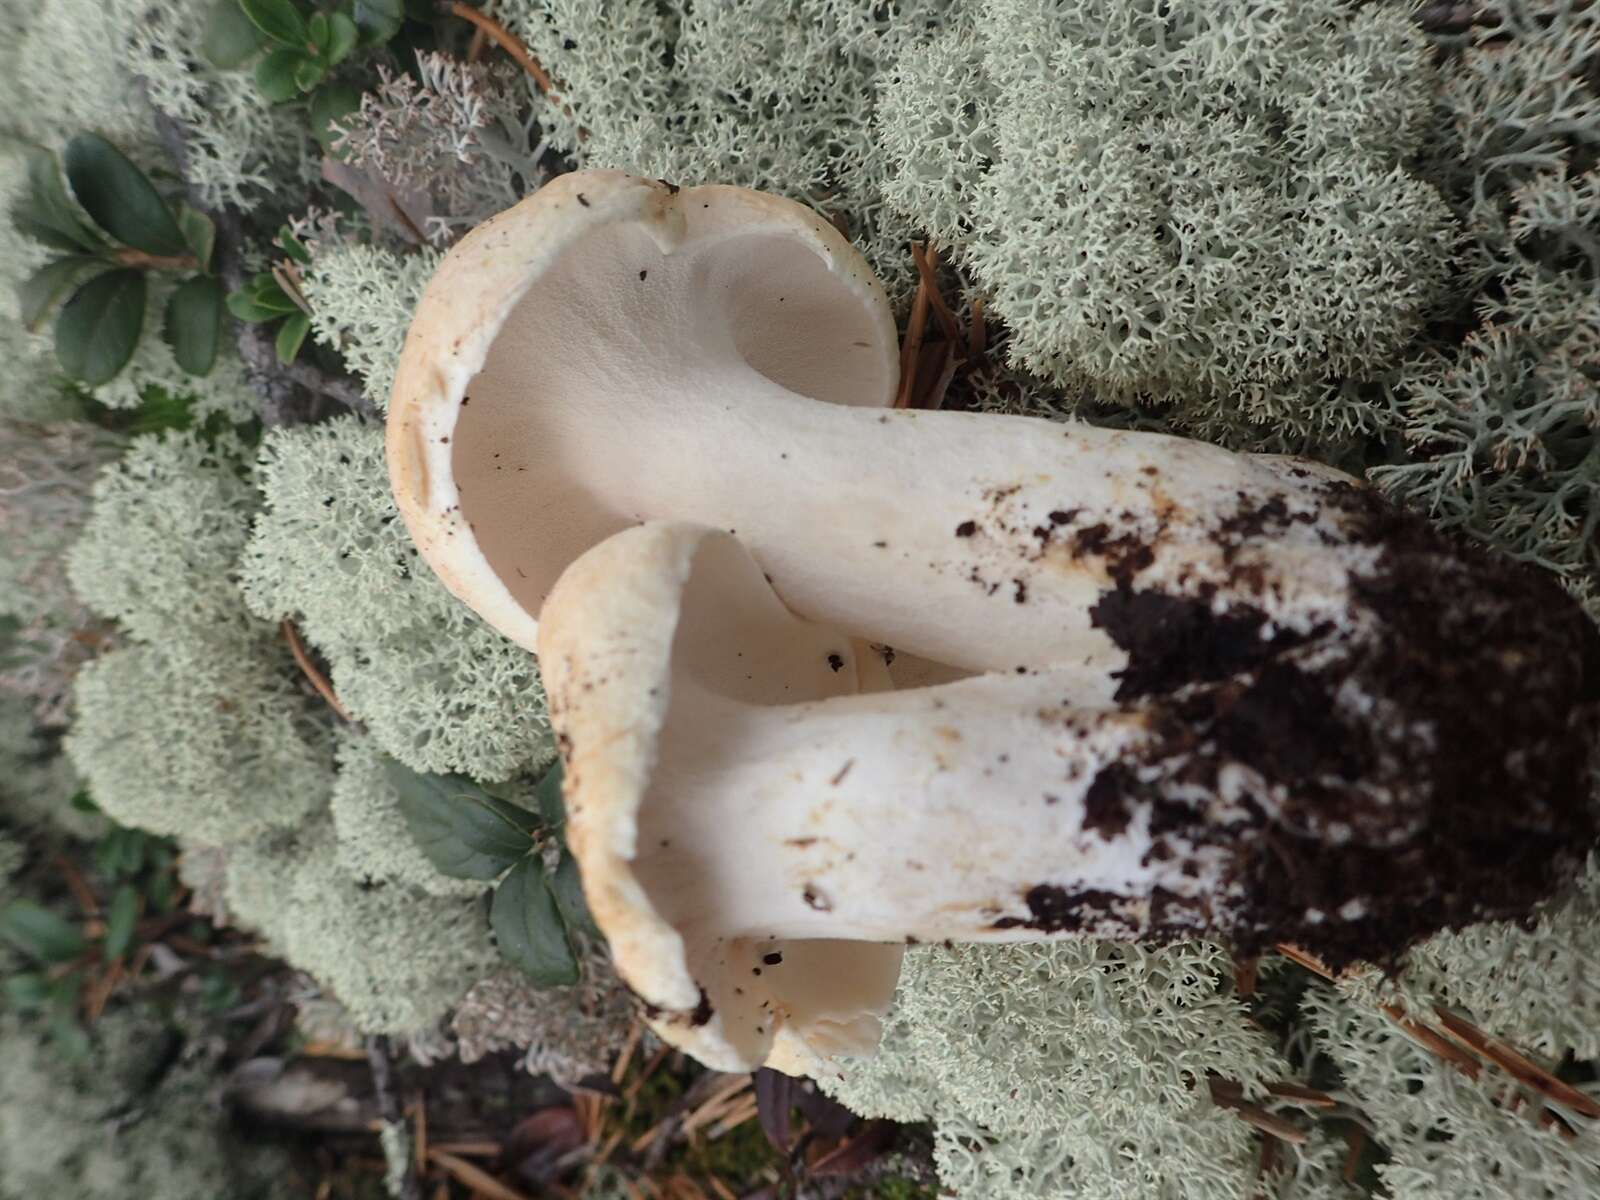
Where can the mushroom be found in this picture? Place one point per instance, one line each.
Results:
(758, 836)
(615, 349)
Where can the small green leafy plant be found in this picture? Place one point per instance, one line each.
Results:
(101, 266)
(297, 46)
(274, 295)
(469, 833)
(136, 875)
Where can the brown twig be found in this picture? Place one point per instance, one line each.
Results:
(309, 669)
(480, 1181)
(911, 348)
(507, 41)
(1307, 960)
(127, 256)
(927, 261)
(77, 885)
(1517, 1065)
(1357, 1139)
(389, 1107)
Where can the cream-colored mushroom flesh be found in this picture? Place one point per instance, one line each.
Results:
(598, 354)
(647, 628)
(736, 794)
(615, 350)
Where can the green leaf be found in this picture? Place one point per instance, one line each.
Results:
(119, 197)
(291, 334)
(567, 887)
(280, 20)
(342, 36)
(40, 933)
(193, 324)
(548, 795)
(230, 37)
(464, 831)
(275, 74)
(199, 234)
(261, 299)
(27, 991)
(99, 328)
(38, 293)
(310, 73)
(122, 914)
(47, 214)
(379, 20)
(293, 246)
(331, 103)
(317, 30)
(528, 926)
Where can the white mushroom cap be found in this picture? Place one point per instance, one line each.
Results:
(646, 621)
(606, 306)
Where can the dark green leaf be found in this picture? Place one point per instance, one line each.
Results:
(528, 926)
(548, 795)
(280, 20)
(230, 37)
(293, 246)
(47, 214)
(317, 30)
(99, 327)
(379, 20)
(261, 300)
(291, 334)
(275, 74)
(118, 196)
(464, 831)
(568, 890)
(27, 991)
(39, 292)
(69, 1038)
(310, 73)
(161, 891)
(121, 916)
(342, 35)
(194, 323)
(331, 103)
(83, 802)
(199, 234)
(40, 933)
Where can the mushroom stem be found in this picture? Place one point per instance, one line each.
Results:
(974, 540)
(968, 811)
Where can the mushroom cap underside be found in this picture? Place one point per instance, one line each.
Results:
(640, 636)
(560, 351)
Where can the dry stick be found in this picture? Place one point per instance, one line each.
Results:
(933, 398)
(1301, 1094)
(475, 1177)
(507, 41)
(77, 885)
(129, 257)
(1357, 1138)
(911, 349)
(977, 332)
(1521, 1068)
(635, 1032)
(303, 661)
(927, 270)
(389, 1108)
(420, 1142)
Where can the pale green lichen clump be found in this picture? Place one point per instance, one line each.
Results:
(118, 1124)
(397, 958)
(1076, 1068)
(1194, 199)
(438, 688)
